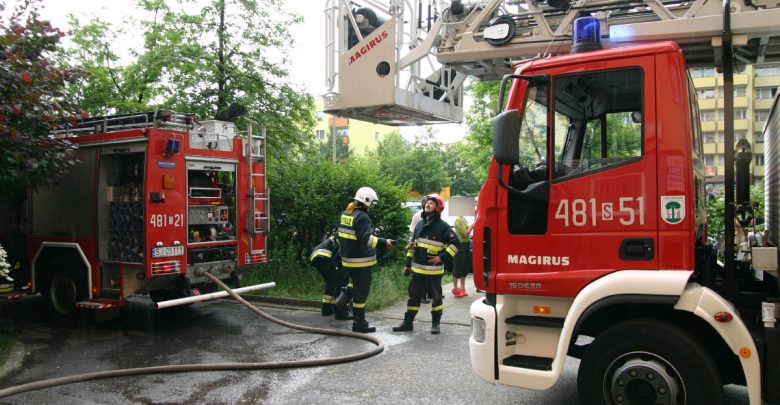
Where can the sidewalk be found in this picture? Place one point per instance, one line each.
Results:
(456, 310)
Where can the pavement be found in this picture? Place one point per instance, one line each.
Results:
(456, 312)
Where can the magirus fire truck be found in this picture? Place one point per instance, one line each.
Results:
(157, 199)
(590, 237)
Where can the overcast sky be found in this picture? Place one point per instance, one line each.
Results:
(307, 53)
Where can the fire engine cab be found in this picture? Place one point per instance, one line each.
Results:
(590, 238)
(157, 199)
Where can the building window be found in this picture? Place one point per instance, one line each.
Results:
(702, 72)
(739, 91)
(759, 136)
(768, 70)
(319, 115)
(759, 159)
(707, 115)
(740, 114)
(762, 115)
(709, 160)
(713, 137)
(320, 134)
(705, 93)
(765, 93)
(740, 134)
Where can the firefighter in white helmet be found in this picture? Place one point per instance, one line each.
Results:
(429, 254)
(358, 252)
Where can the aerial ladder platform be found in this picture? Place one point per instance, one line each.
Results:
(402, 62)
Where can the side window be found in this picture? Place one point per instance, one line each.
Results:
(602, 112)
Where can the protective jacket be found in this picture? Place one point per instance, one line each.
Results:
(432, 237)
(358, 245)
(327, 249)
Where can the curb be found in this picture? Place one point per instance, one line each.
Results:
(14, 360)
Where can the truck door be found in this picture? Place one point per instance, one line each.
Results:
(588, 173)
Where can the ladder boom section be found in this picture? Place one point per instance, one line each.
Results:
(405, 62)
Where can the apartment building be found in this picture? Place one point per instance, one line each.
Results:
(754, 89)
(352, 136)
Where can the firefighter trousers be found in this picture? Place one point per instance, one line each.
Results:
(361, 285)
(417, 286)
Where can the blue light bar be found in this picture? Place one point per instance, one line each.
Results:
(587, 35)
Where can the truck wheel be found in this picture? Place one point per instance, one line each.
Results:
(648, 361)
(63, 293)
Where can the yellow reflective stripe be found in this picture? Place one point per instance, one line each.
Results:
(427, 267)
(358, 305)
(428, 272)
(438, 308)
(346, 230)
(452, 250)
(347, 236)
(410, 308)
(328, 301)
(409, 254)
(321, 252)
(430, 248)
(373, 241)
(359, 264)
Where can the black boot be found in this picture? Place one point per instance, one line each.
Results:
(327, 309)
(407, 324)
(436, 318)
(344, 297)
(360, 324)
(343, 314)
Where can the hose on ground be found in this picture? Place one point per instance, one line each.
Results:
(216, 366)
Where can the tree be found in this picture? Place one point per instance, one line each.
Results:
(228, 51)
(461, 170)
(420, 165)
(32, 103)
(479, 118)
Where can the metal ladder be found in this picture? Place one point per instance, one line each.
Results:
(258, 218)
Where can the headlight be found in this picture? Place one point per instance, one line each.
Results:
(478, 329)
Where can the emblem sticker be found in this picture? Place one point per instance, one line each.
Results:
(673, 208)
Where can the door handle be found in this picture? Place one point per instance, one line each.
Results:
(637, 249)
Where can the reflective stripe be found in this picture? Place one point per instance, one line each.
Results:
(347, 234)
(430, 248)
(431, 242)
(321, 252)
(438, 308)
(414, 309)
(373, 241)
(428, 272)
(358, 261)
(409, 254)
(452, 250)
(358, 305)
(328, 301)
(427, 267)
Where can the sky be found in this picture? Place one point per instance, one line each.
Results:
(307, 67)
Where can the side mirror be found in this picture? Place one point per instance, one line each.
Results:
(506, 137)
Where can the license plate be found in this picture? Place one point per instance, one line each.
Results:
(167, 251)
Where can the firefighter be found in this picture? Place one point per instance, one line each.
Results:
(326, 258)
(358, 252)
(430, 252)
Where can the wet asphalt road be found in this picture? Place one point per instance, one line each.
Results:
(415, 367)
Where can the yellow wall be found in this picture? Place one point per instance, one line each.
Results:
(363, 136)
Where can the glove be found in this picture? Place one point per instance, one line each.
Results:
(407, 271)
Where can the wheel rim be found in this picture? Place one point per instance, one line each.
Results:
(640, 378)
(63, 294)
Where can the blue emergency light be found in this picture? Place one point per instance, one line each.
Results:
(171, 147)
(587, 35)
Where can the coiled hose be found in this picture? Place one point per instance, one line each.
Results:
(380, 346)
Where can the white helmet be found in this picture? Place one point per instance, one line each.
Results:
(367, 196)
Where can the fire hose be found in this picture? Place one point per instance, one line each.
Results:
(217, 366)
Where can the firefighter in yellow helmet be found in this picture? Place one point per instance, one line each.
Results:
(358, 252)
(433, 246)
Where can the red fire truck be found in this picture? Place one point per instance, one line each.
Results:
(590, 238)
(157, 199)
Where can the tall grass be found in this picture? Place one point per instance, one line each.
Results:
(294, 280)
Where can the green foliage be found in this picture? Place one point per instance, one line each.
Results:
(460, 169)
(716, 210)
(309, 195)
(420, 166)
(32, 103)
(326, 149)
(479, 117)
(201, 59)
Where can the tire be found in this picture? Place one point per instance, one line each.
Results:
(648, 361)
(62, 294)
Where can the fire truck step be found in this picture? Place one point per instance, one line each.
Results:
(535, 363)
(543, 321)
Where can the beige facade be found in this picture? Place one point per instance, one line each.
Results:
(754, 90)
(360, 136)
